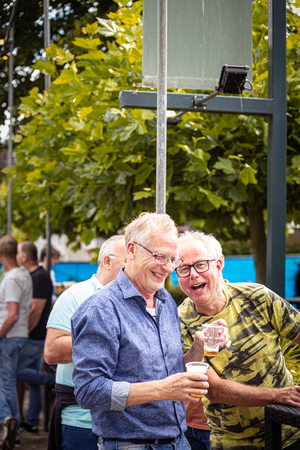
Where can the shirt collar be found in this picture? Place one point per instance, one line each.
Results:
(96, 282)
(129, 290)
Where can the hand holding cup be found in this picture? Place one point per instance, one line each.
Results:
(212, 334)
(197, 367)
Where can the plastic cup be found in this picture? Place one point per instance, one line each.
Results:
(197, 367)
(212, 335)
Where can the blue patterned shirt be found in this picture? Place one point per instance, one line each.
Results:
(117, 342)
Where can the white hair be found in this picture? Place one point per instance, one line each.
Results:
(141, 227)
(109, 247)
(211, 243)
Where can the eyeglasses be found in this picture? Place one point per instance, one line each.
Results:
(162, 259)
(199, 266)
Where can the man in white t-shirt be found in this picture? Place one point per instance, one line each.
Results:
(71, 426)
(15, 301)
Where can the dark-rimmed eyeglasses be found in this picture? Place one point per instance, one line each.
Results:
(200, 267)
(161, 258)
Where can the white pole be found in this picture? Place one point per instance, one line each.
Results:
(161, 139)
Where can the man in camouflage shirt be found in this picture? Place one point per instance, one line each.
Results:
(252, 372)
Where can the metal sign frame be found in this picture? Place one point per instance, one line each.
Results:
(275, 109)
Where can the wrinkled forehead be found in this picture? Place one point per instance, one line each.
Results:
(193, 250)
(159, 241)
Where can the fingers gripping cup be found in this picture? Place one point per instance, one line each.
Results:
(212, 335)
(197, 367)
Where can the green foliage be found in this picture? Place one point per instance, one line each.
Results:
(231, 248)
(66, 20)
(291, 353)
(240, 247)
(92, 165)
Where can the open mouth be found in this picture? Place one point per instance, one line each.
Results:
(198, 287)
(158, 276)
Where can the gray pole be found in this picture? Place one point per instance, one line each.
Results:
(10, 107)
(46, 37)
(161, 139)
(276, 205)
(48, 224)
(47, 85)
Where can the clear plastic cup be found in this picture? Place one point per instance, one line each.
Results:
(212, 335)
(197, 367)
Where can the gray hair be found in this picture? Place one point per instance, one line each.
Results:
(211, 243)
(142, 226)
(109, 247)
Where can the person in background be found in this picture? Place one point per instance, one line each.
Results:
(31, 357)
(15, 300)
(71, 426)
(127, 348)
(53, 261)
(252, 373)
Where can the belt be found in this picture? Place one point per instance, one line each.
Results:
(143, 441)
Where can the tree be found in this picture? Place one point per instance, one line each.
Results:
(66, 19)
(99, 161)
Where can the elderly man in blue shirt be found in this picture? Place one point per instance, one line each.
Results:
(127, 348)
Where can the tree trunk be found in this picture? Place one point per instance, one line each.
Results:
(259, 242)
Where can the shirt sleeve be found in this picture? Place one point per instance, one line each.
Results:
(13, 291)
(62, 311)
(284, 317)
(95, 337)
(184, 311)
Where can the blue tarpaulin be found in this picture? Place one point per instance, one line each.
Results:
(241, 268)
(237, 269)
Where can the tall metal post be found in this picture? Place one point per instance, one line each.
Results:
(161, 139)
(47, 85)
(10, 139)
(48, 223)
(276, 198)
(47, 37)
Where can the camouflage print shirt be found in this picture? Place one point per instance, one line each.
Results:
(256, 319)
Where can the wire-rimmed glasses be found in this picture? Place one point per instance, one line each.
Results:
(162, 259)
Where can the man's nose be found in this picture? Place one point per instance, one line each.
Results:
(194, 272)
(169, 265)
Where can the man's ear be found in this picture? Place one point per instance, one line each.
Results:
(106, 262)
(131, 250)
(220, 265)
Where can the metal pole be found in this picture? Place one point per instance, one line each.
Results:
(276, 199)
(10, 108)
(47, 85)
(161, 139)
(47, 37)
(48, 215)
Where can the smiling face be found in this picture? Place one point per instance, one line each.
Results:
(146, 274)
(203, 288)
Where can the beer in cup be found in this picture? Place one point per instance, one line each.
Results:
(212, 335)
(199, 367)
